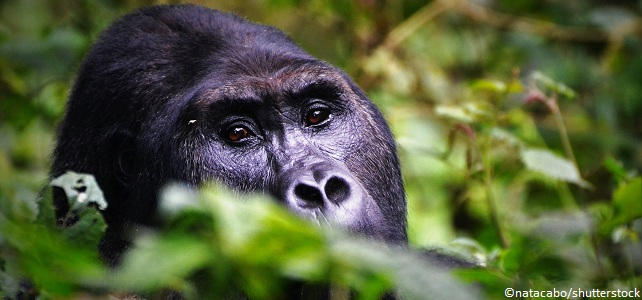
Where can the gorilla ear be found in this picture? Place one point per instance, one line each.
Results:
(122, 156)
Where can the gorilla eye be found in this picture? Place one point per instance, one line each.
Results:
(316, 117)
(237, 133)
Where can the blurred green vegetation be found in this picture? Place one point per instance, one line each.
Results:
(519, 123)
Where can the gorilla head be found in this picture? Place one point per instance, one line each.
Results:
(188, 94)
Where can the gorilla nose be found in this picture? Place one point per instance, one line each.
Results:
(318, 193)
(328, 193)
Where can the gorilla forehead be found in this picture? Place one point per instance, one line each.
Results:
(289, 83)
(181, 52)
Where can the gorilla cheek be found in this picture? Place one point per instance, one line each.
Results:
(240, 170)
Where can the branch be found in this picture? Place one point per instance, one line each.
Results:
(533, 26)
(488, 16)
(398, 34)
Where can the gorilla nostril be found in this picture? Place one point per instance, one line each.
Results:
(337, 190)
(311, 195)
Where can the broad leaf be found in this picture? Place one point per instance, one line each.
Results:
(552, 165)
(627, 199)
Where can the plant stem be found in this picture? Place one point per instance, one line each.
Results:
(559, 121)
(398, 34)
(566, 196)
(484, 14)
(490, 198)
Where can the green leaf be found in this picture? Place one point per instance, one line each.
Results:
(455, 113)
(627, 200)
(468, 247)
(23, 209)
(615, 167)
(501, 135)
(381, 268)
(495, 86)
(88, 230)
(560, 226)
(552, 85)
(56, 267)
(248, 224)
(157, 262)
(47, 214)
(263, 244)
(552, 165)
(514, 86)
(467, 112)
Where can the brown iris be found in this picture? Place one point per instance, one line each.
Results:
(316, 117)
(238, 133)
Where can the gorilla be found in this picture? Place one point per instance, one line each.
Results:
(188, 94)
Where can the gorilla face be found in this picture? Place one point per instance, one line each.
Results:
(189, 94)
(295, 133)
(298, 132)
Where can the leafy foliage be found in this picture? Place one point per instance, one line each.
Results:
(518, 125)
(216, 245)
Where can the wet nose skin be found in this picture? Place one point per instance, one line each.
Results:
(328, 193)
(330, 190)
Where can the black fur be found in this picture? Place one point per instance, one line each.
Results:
(166, 90)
